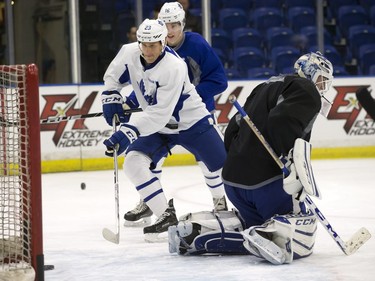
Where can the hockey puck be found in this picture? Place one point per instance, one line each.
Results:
(49, 267)
(83, 186)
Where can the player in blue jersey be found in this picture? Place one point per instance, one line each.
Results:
(207, 74)
(173, 114)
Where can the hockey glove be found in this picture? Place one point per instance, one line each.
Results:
(121, 140)
(112, 104)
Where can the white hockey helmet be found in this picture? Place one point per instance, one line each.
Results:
(152, 31)
(312, 66)
(172, 12)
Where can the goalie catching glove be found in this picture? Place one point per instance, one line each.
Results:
(121, 140)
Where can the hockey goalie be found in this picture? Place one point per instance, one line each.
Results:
(271, 220)
(281, 239)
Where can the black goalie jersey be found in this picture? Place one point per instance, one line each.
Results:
(283, 109)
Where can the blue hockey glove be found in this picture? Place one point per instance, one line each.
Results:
(121, 140)
(112, 104)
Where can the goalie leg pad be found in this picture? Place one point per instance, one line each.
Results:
(282, 238)
(207, 232)
(271, 241)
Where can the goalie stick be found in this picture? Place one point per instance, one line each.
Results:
(358, 238)
(108, 234)
(58, 119)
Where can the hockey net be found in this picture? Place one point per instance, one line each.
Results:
(21, 247)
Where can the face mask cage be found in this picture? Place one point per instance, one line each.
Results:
(323, 83)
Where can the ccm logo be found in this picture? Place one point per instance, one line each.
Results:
(306, 221)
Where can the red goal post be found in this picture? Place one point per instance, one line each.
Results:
(21, 233)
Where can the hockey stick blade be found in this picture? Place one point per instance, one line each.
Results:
(110, 236)
(358, 239)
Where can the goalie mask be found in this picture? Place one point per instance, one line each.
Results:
(152, 31)
(172, 12)
(316, 68)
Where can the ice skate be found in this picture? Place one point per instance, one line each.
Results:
(139, 216)
(220, 204)
(167, 219)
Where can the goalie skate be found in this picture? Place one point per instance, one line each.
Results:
(158, 232)
(139, 216)
(220, 204)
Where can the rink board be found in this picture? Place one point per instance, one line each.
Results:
(76, 145)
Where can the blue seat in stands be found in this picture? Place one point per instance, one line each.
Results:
(247, 37)
(264, 18)
(298, 17)
(349, 16)
(279, 36)
(245, 58)
(284, 56)
(311, 33)
(366, 57)
(333, 6)
(233, 73)
(339, 71)
(221, 40)
(359, 35)
(232, 18)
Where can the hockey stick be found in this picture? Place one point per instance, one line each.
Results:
(81, 116)
(349, 247)
(108, 234)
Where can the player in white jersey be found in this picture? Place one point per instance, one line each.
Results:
(173, 114)
(207, 74)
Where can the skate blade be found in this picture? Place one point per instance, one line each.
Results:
(139, 223)
(156, 237)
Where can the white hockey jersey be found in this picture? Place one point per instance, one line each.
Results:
(163, 90)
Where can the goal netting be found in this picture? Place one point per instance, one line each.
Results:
(21, 250)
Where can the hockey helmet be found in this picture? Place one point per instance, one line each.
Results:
(172, 12)
(152, 31)
(316, 68)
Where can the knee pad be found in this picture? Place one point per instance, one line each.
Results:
(136, 167)
(282, 238)
(207, 232)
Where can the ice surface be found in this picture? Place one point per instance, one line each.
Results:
(73, 220)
